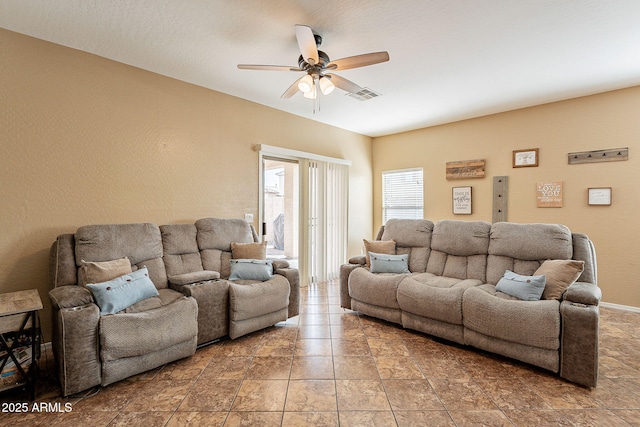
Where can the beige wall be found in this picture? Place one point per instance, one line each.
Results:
(85, 140)
(608, 120)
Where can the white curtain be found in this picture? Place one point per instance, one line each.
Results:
(325, 191)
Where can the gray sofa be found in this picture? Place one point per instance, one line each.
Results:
(450, 291)
(195, 303)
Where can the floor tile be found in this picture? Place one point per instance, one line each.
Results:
(361, 395)
(269, 368)
(411, 395)
(197, 419)
(311, 395)
(424, 418)
(306, 419)
(312, 368)
(211, 395)
(367, 418)
(355, 368)
(397, 367)
(262, 419)
(493, 418)
(261, 395)
(461, 395)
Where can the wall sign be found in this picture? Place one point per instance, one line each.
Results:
(461, 200)
(549, 194)
(465, 169)
(600, 196)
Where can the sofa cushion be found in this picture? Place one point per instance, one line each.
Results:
(141, 243)
(253, 299)
(434, 297)
(461, 238)
(384, 263)
(531, 241)
(181, 252)
(379, 247)
(375, 289)
(251, 269)
(148, 331)
(117, 294)
(560, 275)
(409, 232)
(217, 233)
(522, 248)
(249, 250)
(102, 271)
(498, 315)
(527, 288)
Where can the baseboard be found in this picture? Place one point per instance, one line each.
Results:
(620, 307)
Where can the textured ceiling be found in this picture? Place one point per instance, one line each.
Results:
(450, 59)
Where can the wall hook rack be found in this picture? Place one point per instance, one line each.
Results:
(609, 155)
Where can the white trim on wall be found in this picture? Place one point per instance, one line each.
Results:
(620, 307)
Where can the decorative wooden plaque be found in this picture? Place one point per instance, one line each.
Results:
(549, 194)
(465, 169)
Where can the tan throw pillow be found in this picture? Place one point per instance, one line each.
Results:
(249, 250)
(379, 247)
(560, 274)
(97, 272)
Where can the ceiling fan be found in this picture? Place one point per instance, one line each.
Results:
(316, 64)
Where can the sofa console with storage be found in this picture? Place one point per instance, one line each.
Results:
(525, 291)
(131, 297)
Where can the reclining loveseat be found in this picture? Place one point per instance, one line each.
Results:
(131, 297)
(471, 282)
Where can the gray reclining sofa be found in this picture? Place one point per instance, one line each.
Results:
(194, 301)
(450, 291)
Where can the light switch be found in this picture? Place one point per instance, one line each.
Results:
(248, 218)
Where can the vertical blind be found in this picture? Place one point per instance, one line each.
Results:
(326, 234)
(402, 194)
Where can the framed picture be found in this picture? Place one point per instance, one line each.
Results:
(549, 194)
(461, 200)
(600, 196)
(525, 158)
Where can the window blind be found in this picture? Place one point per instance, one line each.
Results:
(402, 194)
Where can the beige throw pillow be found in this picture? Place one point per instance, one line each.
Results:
(379, 247)
(249, 250)
(98, 272)
(560, 274)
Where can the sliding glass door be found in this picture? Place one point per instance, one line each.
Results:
(303, 206)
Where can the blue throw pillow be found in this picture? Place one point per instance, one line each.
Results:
(251, 269)
(528, 288)
(384, 263)
(122, 292)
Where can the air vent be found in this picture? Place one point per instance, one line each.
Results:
(364, 95)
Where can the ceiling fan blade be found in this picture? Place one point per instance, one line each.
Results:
(344, 84)
(292, 89)
(307, 44)
(268, 67)
(358, 61)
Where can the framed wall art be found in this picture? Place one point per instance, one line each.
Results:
(549, 194)
(525, 158)
(461, 198)
(600, 196)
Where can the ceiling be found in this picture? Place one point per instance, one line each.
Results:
(449, 59)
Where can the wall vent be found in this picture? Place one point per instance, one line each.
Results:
(364, 95)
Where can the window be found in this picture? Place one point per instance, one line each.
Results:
(402, 194)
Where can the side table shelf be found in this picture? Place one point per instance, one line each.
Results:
(19, 339)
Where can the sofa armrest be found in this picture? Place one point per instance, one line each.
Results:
(293, 276)
(75, 338)
(345, 271)
(279, 263)
(358, 259)
(583, 293)
(70, 296)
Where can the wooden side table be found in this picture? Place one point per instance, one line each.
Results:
(19, 327)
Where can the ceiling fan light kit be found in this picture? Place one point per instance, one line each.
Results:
(316, 63)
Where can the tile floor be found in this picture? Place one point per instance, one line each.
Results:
(330, 367)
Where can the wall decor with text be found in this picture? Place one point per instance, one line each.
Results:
(465, 169)
(461, 197)
(549, 194)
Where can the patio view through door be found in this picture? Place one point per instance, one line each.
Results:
(281, 208)
(303, 210)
